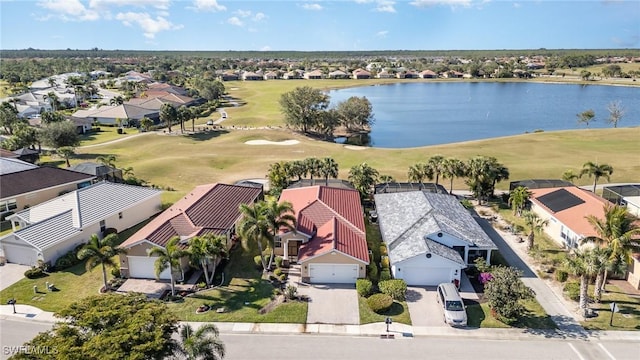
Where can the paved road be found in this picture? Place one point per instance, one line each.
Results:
(15, 332)
(295, 347)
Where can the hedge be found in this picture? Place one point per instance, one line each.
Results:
(572, 289)
(396, 288)
(34, 273)
(385, 274)
(364, 287)
(380, 303)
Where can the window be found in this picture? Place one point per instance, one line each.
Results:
(103, 225)
(8, 205)
(278, 243)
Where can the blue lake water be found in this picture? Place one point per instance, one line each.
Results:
(420, 114)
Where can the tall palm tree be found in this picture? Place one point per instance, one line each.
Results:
(453, 168)
(597, 171)
(107, 160)
(198, 255)
(53, 100)
(314, 166)
(203, 343)
(616, 232)
(208, 249)
(169, 258)
(168, 114)
(101, 252)
(535, 224)
(417, 174)
(436, 167)
(518, 199)
(118, 100)
(329, 169)
(279, 216)
(66, 152)
(582, 263)
(254, 228)
(363, 177)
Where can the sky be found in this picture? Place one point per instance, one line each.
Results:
(301, 25)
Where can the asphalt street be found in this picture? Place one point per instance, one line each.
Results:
(15, 332)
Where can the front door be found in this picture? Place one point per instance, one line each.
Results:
(292, 251)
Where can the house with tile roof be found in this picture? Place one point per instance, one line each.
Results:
(330, 241)
(207, 209)
(34, 185)
(565, 209)
(314, 75)
(430, 237)
(51, 229)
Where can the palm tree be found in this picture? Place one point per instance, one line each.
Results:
(314, 166)
(169, 258)
(168, 114)
(453, 168)
(387, 179)
(518, 199)
(278, 216)
(597, 171)
(118, 100)
(363, 177)
(535, 224)
(107, 160)
(184, 114)
(254, 228)
(101, 252)
(436, 167)
(569, 176)
(417, 174)
(297, 169)
(66, 152)
(328, 168)
(193, 116)
(207, 249)
(53, 100)
(582, 263)
(201, 344)
(614, 232)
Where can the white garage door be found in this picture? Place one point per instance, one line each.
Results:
(20, 254)
(144, 267)
(426, 276)
(333, 273)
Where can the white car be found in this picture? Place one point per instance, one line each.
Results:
(210, 122)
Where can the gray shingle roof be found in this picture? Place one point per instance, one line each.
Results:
(406, 218)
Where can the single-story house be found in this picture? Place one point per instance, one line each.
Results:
(271, 75)
(109, 114)
(566, 209)
(338, 74)
(250, 75)
(22, 189)
(294, 74)
(428, 74)
(330, 239)
(625, 195)
(430, 237)
(51, 229)
(384, 74)
(313, 75)
(207, 209)
(361, 74)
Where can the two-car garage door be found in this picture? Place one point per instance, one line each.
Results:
(143, 267)
(333, 273)
(426, 276)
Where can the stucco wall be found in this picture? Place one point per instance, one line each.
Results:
(338, 258)
(633, 276)
(434, 261)
(554, 226)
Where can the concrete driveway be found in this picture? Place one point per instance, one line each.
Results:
(331, 304)
(423, 307)
(11, 274)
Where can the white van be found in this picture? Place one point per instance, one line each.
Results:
(455, 313)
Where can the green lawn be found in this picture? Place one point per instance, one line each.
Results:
(106, 133)
(399, 313)
(479, 315)
(628, 317)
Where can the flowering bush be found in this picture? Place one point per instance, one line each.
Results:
(485, 277)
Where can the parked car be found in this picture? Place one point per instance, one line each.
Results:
(210, 122)
(455, 313)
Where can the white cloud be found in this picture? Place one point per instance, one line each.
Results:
(380, 5)
(69, 10)
(101, 4)
(208, 5)
(265, 48)
(243, 13)
(259, 16)
(517, 5)
(149, 25)
(234, 20)
(452, 3)
(248, 14)
(314, 7)
(382, 34)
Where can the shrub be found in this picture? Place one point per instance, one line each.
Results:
(385, 274)
(380, 303)
(279, 261)
(396, 288)
(291, 292)
(484, 277)
(372, 272)
(69, 259)
(258, 261)
(481, 265)
(384, 262)
(561, 276)
(115, 272)
(34, 273)
(364, 287)
(572, 290)
(277, 272)
(282, 277)
(383, 250)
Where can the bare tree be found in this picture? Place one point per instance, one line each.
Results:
(616, 112)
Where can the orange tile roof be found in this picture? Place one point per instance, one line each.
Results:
(333, 216)
(575, 217)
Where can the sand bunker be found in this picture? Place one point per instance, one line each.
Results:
(354, 147)
(267, 142)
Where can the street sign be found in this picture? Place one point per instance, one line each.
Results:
(614, 307)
